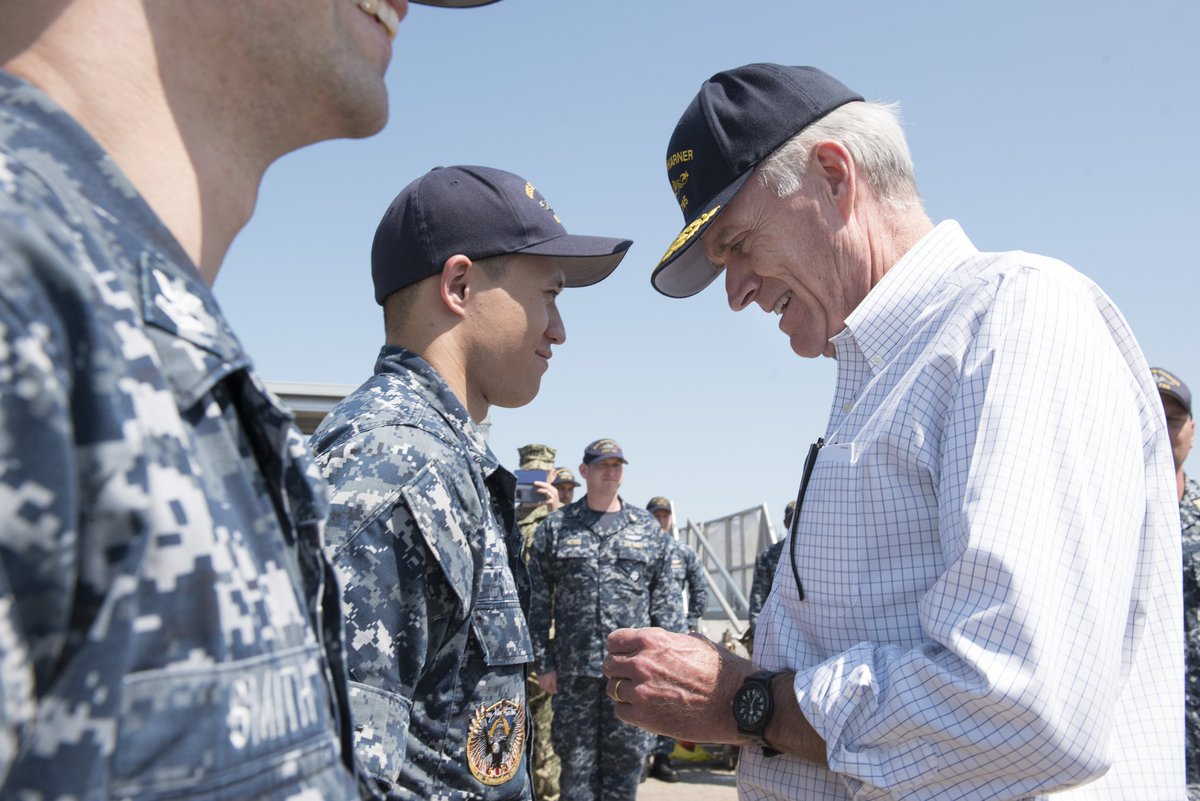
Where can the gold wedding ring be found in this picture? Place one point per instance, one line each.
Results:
(616, 693)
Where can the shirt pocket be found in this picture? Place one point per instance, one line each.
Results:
(437, 513)
(632, 567)
(498, 620)
(453, 537)
(381, 722)
(831, 545)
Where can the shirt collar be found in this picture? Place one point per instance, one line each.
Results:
(880, 322)
(173, 294)
(424, 379)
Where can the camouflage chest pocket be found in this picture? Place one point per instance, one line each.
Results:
(678, 568)
(450, 532)
(575, 557)
(632, 565)
(498, 620)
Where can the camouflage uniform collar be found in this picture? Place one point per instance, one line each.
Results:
(398, 361)
(581, 507)
(90, 171)
(172, 295)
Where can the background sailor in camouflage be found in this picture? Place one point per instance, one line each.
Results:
(546, 765)
(688, 575)
(467, 263)
(686, 569)
(565, 483)
(1181, 426)
(764, 576)
(597, 565)
(168, 624)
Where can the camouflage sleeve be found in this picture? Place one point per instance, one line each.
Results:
(666, 601)
(397, 536)
(697, 589)
(37, 504)
(541, 600)
(761, 586)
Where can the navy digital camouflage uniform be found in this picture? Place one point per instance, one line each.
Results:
(422, 531)
(689, 577)
(169, 627)
(546, 766)
(1189, 523)
(589, 580)
(765, 565)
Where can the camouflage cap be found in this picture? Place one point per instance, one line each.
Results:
(603, 449)
(536, 457)
(658, 502)
(1171, 384)
(564, 476)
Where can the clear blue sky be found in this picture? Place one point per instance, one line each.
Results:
(1065, 128)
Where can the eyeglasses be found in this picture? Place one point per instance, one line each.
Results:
(809, 463)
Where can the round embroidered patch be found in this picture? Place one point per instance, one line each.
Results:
(496, 741)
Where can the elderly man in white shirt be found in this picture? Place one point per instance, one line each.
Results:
(980, 597)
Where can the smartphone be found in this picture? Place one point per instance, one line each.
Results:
(526, 492)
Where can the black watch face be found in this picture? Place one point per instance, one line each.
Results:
(749, 706)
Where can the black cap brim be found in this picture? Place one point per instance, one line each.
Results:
(588, 259)
(455, 3)
(684, 269)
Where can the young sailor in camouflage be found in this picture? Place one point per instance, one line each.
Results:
(467, 263)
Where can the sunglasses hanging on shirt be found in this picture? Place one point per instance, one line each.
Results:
(809, 462)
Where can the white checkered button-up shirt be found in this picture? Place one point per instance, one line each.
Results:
(989, 549)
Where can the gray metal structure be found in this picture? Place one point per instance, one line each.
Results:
(728, 547)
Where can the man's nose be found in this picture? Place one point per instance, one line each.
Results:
(741, 285)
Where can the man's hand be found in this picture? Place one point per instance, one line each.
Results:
(681, 685)
(551, 493)
(548, 682)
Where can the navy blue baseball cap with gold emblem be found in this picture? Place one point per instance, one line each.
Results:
(738, 118)
(658, 503)
(564, 476)
(1171, 384)
(603, 449)
(479, 212)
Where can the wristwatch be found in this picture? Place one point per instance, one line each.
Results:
(753, 707)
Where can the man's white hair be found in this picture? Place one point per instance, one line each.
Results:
(873, 135)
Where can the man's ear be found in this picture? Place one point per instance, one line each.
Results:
(583, 468)
(833, 166)
(454, 287)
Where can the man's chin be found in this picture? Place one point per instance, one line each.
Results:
(518, 399)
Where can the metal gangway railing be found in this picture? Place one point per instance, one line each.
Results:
(727, 547)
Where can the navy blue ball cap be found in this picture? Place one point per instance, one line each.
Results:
(479, 212)
(658, 503)
(603, 449)
(455, 3)
(1171, 384)
(738, 118)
